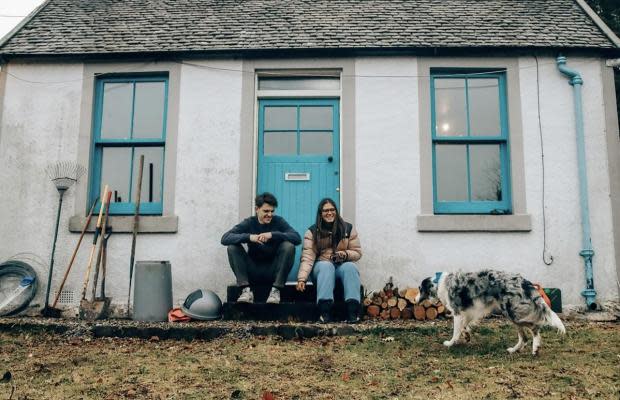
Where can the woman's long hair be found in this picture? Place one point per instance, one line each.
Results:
(337, 229)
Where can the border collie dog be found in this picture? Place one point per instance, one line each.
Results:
(471, 296)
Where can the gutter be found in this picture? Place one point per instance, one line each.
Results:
(586, 252)
(23, 22)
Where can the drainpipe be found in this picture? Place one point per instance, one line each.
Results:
(586, 241)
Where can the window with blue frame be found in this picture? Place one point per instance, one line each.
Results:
(130, 121)
(470, 142)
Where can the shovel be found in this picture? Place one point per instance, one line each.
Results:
(89, 310)
(106, 300)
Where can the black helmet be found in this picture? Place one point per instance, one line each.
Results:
(202, 304)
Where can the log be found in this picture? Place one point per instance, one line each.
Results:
(392, 301)
(402, 303)
(394, 313)
(377, 300)
(373, 311)
(427, 303)
(419, 312)
(402, 292)
(441, 309)
(367, 301)
(411, 294)
(431, 313)
(385, 314)
(384, 305)
(406, 313)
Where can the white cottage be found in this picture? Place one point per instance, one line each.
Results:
(452, 134)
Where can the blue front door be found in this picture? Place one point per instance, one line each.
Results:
(299, 158)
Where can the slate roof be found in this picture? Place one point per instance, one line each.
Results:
(106, 27)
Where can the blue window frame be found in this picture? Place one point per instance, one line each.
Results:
(471, 166)
(130, 121)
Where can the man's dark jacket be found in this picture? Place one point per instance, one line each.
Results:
(280, 231)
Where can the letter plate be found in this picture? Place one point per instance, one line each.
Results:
(297, 176)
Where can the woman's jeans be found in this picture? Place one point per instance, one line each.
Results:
(325, 274)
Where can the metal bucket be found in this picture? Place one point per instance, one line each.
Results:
(152, 293)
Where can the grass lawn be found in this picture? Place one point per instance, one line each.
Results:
(383, 362)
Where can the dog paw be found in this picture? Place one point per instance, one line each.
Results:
(512, 350)
(448, 343)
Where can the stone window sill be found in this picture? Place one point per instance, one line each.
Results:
(124, 224)
(474, 223)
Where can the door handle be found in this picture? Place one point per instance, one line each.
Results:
(330, 159)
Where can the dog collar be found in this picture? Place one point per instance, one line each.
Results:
(437, 277)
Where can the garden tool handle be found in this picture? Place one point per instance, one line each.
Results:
(104, 225)
(92, 250)
(75, 251)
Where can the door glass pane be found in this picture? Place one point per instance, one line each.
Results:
(484, 163)
(315, 118)
(450, 111)
(451, 172)
(316, 143)
(116, 110)
(278, 143)
(148, 118)
(115, 168)
(326, 83)
(484, 107)
(151, 174)
(280, 118)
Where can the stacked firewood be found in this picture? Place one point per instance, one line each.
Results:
(392, 303)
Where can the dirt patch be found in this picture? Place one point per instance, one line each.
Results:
(382, 362)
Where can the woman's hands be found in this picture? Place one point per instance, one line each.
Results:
(301, 286)
(339, 256)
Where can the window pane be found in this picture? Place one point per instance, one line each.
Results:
(116, 113)
(151, 174)
(316, 143)
(315, 118)
(484, 107)
(451, 172)
(450, 111)
(299, 83)
(281, 118)
(115, 172)
(484, 163)
(148, 118)
(277, 143)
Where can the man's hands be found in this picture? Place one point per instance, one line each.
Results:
(261, 238)
(301, 286)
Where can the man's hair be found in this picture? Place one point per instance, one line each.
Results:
(266, 198)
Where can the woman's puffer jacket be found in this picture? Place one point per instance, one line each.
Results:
(350, 243)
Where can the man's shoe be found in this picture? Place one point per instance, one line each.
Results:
(274, 296)
(246, 296)
(353, 311)
(325, 308)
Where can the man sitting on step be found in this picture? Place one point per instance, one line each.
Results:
(271, 245)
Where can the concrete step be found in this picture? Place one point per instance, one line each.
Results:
(284, 312)
(287, 295)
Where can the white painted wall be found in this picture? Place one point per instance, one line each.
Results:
(388, 184)
(40, 124)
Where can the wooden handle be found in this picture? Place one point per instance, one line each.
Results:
(92, 250)
(77, 247)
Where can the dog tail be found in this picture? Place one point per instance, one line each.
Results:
(552, 319)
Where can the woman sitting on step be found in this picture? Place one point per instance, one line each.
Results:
(330, 249)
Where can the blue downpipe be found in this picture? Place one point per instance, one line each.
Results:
(587, 252)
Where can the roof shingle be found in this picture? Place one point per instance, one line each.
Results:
(65, 27)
